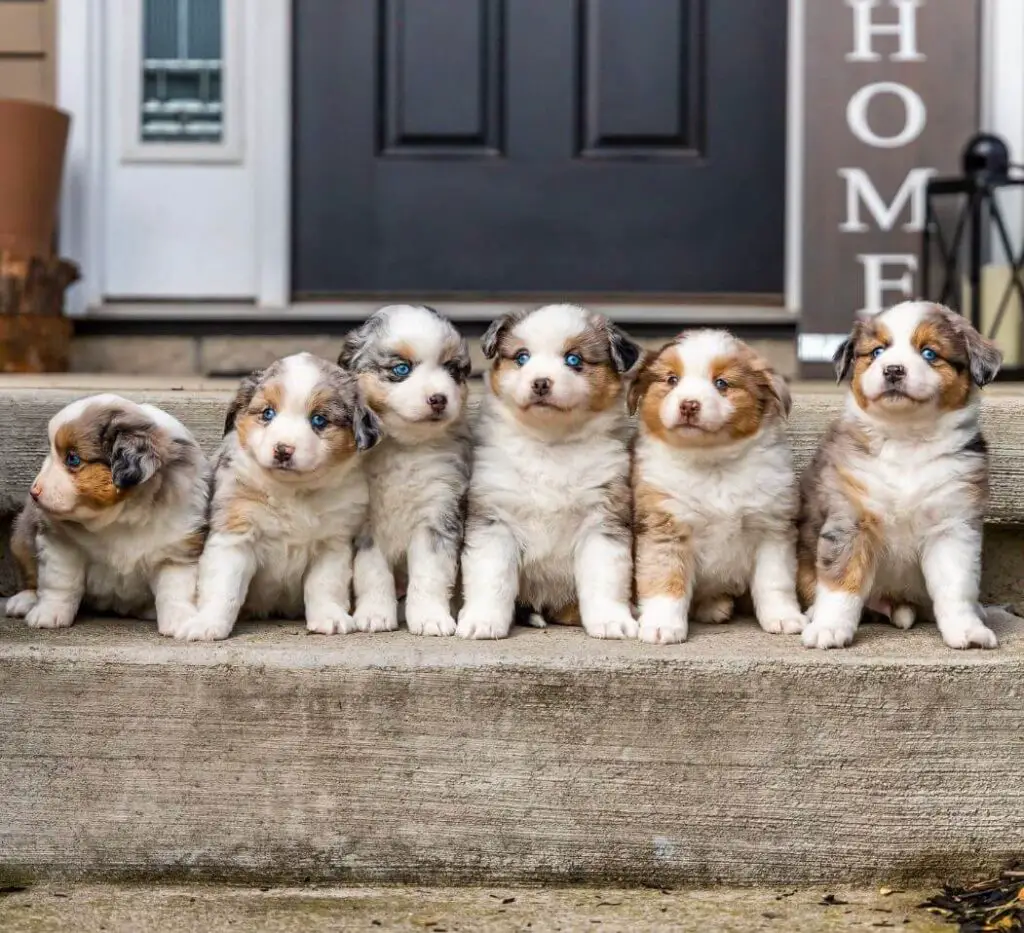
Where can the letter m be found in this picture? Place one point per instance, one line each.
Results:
(861, 190)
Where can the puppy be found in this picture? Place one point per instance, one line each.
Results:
(549, 501)
(412, 366)
(715, 497)
(115, 519)
(893, 504)
(289, 497)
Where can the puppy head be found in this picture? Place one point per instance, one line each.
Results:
(102, 449)
(707, 389)
(915, 357)
(558, 365)
(301, 417)
(413, 367)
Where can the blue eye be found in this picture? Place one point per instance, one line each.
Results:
(522, 358)
(877, 352)
(268, 414)
(401, 370)
(721, 385)
(318, 421)
(929, 354)
(573, 360)
(72, 460)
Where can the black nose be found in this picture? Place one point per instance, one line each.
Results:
(283, 452)
(438, 403)
(895, 373)
(541, 386)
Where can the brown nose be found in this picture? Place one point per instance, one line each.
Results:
(541, 387)
(689, 408)
(35, 492)
(894, 372)
(438, 403)
(283, 452)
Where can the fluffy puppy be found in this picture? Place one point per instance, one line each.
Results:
(412, 366)
(289, 497)
(115, 519)
(892, 506)
(549, 500)
(715, 497)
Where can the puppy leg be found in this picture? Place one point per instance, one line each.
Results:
(21, 604)
(226, 569)
(374, 583)
(23, 547)
(773, 586)
(174, 595)
(952, 567)
(326, 590)
(665, 569)
(603, 571)
(714, 610)
(433, 564)
(490, 581)
(61, 587)
(847, 550)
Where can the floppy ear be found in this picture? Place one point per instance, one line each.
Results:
(780, 390)
(984, 357)
(641, 383)
(134, 458)
(462, 364)
(242, 398)
(353, 344)
(366, 426)
(842, 359)
(625, 353)
(489, 341)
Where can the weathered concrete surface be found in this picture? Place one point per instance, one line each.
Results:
(738, 757)
(206, 909)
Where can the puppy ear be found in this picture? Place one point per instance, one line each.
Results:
(624, 351)
(366, 426)
(842, 359)
(779, 389)
(641, 383)
(493, 334)
(983, 355)
(134, 457)
(242, 398)
(463, 364)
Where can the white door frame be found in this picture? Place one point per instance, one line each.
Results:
(82, 91)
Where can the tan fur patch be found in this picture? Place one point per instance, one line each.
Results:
(750, 390)
(566, 615)
(269, 395)
(952, 365)
(652, 385)
(23, 545)
(664, 547)
(238, 516)
(93, 481)
(405, 351)
(871, 334)
(599, 371)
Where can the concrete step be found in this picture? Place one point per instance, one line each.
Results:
(280, 757)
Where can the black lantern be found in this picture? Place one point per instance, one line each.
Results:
(970, 206)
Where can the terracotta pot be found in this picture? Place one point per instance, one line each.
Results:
(32, 143)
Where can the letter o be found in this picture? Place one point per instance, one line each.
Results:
(914, 109)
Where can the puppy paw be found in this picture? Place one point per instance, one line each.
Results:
(790, 623)
(968, 632)
(203, 627)
(329, 620)
(50, 615)
(536, 620)
(21, 604)
(662, 633)
(715, 610)
(611, 621)
(821, 633)
(173, 618)
(472, 625)
(376, 616)
(425, 619)
(903, 617)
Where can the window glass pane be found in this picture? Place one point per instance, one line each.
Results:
(182, 62)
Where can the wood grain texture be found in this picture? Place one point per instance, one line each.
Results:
(738, 757)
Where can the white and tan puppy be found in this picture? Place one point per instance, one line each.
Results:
(289, 497)
(412, 366)
(715, 496)
(893, 504)
(116, 517)
(549, 502)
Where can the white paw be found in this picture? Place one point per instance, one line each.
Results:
(329, 620)
(429, 619)
(822, 633)
(969, 632)
(612, 621)
(714, 610)
(783, 623)
(536, 620)
(376, 616)
(472, 625)
(21, 604)
(173, 618)
(50, 615)
(662, 632)
(903, 617)
(203, 627)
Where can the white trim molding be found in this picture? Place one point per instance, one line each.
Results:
(795, 141)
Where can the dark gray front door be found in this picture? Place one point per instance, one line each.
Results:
(552, 146)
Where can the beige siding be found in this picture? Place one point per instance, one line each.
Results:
(26, 49)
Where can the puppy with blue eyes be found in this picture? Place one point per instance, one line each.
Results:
(549, 514)
(289, 498)
(412, 366)
(893, 504)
